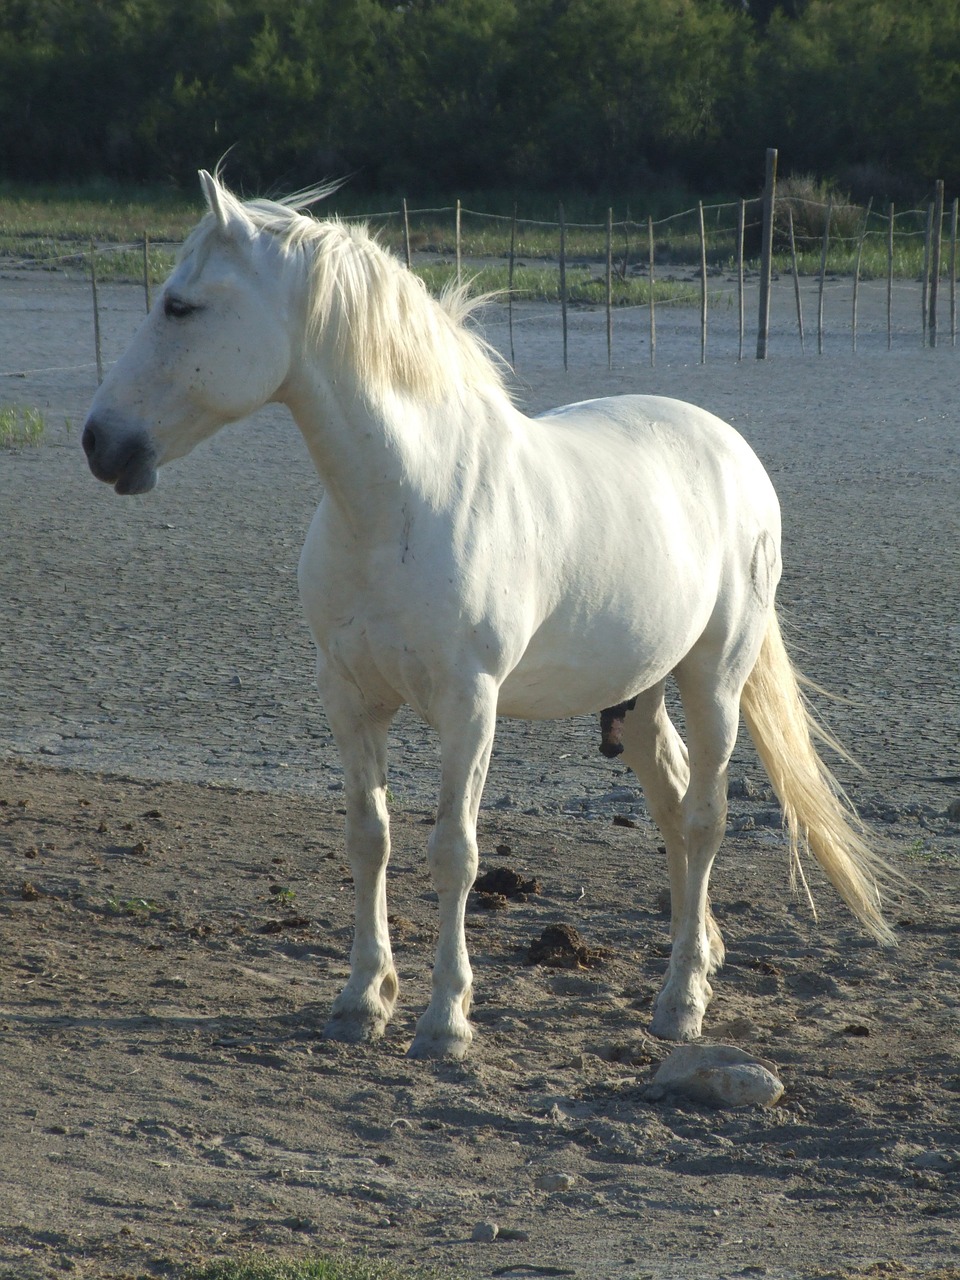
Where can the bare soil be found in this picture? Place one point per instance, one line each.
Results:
(170, 954)
(175, 910)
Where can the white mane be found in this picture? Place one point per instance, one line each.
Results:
(382, 320)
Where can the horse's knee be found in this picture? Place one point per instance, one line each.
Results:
(367, 830)
(704, 818)
(453, 858)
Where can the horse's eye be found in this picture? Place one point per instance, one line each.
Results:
(176, 308)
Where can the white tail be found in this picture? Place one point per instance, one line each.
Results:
(816, 813)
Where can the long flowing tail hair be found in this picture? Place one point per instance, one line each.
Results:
(817, 814)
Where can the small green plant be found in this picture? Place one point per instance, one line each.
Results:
(20, 426)
(140, 908)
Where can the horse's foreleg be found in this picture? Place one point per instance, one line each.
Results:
(466, 727)
(365, 1005)
(712, 716)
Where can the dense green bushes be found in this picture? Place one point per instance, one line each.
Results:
(611, 96)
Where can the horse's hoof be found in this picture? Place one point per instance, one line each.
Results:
(682, 1025)
(448, 1048)
(441, 1038)
(352, 1028)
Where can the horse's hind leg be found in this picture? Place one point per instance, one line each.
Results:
(365, 1005)
(656, 753)
(711, 702)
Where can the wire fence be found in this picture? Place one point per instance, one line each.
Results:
(816, 256)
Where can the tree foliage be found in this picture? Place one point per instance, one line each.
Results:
(430, 95)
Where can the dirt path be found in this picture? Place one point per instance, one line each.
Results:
(170, 953)
(170, 949)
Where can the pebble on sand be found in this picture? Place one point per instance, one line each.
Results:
(555, 1182)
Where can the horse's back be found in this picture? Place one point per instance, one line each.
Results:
(661, 468)
(684, 438)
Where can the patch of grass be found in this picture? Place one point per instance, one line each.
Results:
(542, 284)
(121, 263)
(20, 426)
(53, 228)
(489, 237)
(920, 850)
(81, 215)
(323, 1268)
(842, 257)
(140, 908)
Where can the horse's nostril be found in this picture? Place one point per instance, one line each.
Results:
(89, 441)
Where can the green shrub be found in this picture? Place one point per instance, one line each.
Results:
(807, 199)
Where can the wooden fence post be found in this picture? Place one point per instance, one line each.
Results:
(935, 259)
(406, 233)
(460, 255)
(741, 223)
(653, 322)
(513, 257)
(856, 268)
(146, 270)
(890, 277)
(953, 273)
(624, 265)
(925, 291)
(96, 312)
(563, 282)
(766, 257)
(609, 288)
(796, 274)
(703, 285)
(823, 273)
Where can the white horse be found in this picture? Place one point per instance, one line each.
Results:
(473, 562)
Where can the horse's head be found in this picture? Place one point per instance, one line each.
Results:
(215, 347)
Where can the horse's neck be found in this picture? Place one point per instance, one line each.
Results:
(371, 459)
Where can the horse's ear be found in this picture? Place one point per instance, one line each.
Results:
(230, 217)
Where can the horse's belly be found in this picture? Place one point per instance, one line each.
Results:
(576, 671)
(557, 695)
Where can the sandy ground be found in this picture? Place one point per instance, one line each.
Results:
(175, 909)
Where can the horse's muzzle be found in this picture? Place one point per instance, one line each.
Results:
(128, 463)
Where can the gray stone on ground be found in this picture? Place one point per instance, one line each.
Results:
(717, 1075)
